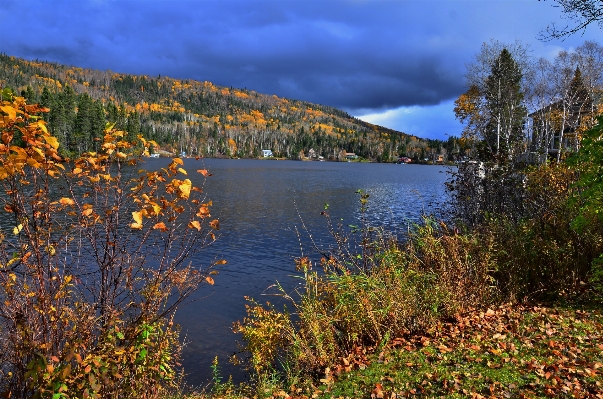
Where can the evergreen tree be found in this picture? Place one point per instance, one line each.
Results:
(505, 110)
(29, 94)
(46, 98)
(83, 124)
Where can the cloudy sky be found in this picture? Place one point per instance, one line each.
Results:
(396, 63)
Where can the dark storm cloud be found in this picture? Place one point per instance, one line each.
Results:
(347, 54)
(359, 55)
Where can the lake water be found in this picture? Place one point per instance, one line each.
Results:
(261, 204)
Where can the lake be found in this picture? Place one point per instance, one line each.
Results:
(262, 206)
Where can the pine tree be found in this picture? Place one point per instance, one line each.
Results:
(505, 110)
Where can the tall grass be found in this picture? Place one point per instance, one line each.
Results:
(349, 301)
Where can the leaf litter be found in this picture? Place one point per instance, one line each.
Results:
(511, 351)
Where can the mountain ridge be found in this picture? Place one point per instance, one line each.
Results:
(200, 118)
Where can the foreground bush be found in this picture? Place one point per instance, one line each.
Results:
(541, 256)
(92, 264)
(359, 301)
(545, 221)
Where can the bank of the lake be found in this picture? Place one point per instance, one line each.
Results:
(264, 209)
(504, 351)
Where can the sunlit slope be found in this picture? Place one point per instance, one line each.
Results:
(198, 118)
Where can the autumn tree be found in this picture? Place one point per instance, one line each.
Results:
(93, 263)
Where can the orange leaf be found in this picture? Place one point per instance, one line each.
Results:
(221, 262)
(378, 391)
(204, 172)
(195, 224)
(215, 224)
(160, 225)
(66, 201)
(209, 280)
(203, 211)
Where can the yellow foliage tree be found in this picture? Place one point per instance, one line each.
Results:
(92, 263)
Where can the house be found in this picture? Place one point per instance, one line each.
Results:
(267, 153)
(350, 155)
(556, 127)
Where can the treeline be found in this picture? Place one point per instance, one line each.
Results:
(521, 109)
(199, 118)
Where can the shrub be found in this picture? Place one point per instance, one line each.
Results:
(92, 263)
(363, 299)
(589, 196)
(540, 255)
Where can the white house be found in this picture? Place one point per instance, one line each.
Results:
(267, 153)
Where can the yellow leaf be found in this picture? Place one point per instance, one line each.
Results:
(136, 226)
(137, 217)
(195, 224)
(182, 171)
(185, 188)
(17, 229)
(66, 201)
(42, 126)
(10, 111)
(52, 141)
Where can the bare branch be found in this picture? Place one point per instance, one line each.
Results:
(581, 12)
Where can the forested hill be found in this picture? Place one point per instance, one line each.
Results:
(199, 118)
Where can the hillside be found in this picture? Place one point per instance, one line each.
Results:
(200, 118)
